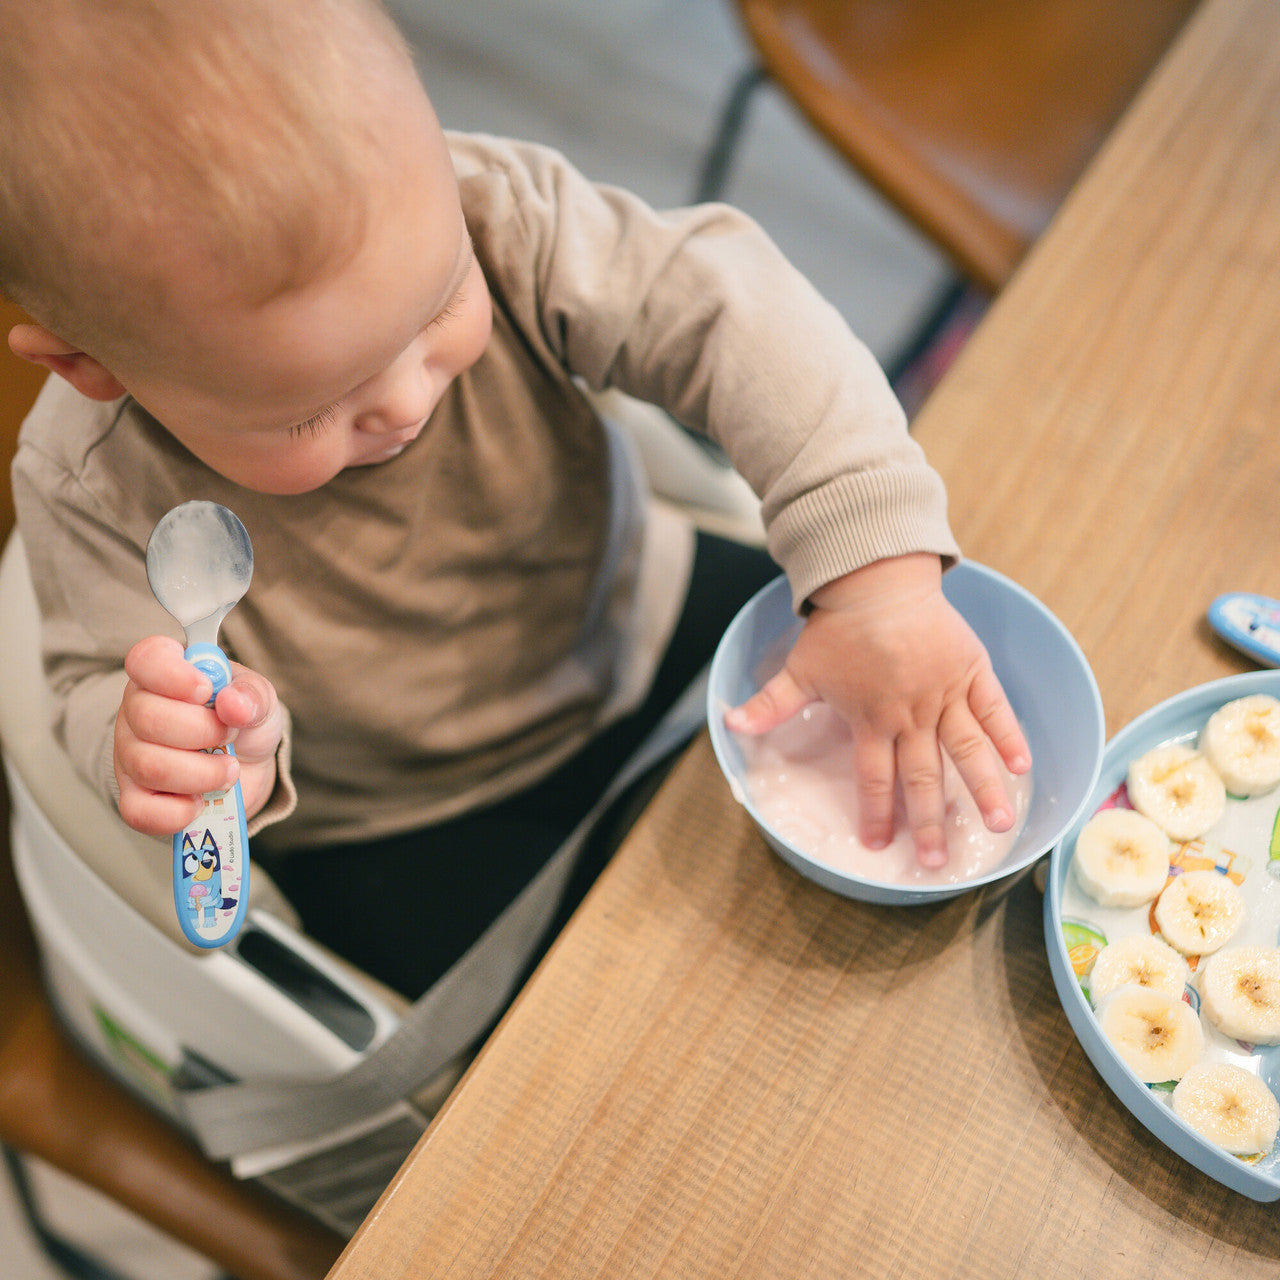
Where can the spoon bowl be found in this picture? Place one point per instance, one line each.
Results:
(199, 565)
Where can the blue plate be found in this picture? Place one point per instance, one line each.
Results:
(1074, 924)
(1044, 673)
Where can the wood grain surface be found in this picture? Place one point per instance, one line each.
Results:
(1109, 437)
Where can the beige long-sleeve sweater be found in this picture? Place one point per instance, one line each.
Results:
(446, 627)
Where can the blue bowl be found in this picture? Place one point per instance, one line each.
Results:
(1044, 674)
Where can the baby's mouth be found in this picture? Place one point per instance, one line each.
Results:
(391, 451)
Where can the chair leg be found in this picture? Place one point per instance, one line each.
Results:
(714, 175)
(936, 342)
(942, 309)
(67, 1257)
(62, 1253)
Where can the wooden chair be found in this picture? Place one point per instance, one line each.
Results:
(973, 117)
(55, 1105)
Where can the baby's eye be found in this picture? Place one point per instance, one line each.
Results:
(451, 308)
(315, 425)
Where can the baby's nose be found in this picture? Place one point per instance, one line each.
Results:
(399, 398)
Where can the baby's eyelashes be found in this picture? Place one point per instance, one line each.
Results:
(315, 424)
(451, 309)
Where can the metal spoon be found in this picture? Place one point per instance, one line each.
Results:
(199, 565)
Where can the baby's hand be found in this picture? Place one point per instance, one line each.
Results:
(163, 730)
(885, 648)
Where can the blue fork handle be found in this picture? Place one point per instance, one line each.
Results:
(211, 854)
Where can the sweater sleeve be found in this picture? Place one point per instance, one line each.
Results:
(697, 311)
(90, 582)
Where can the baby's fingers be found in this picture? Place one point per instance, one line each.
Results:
(779, 700)
(873, 763)
(151, 718)
(156, 813)
(920, 775)
(970, 749)
(157, 666)
(177, 770)
(989, 705)
(161, 787)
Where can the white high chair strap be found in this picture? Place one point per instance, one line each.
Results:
(229, 1120)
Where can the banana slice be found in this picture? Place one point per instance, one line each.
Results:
(1142, 960)
(1156, 1034)
(1229, 1106)
(1199, 912)
(1121, 858)
(1240, 993)
(1178, 789)
(1242, 742)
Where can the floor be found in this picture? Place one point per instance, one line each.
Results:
(630, 90)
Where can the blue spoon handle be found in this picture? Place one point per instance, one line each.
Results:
(1249, 622)
(211, 854)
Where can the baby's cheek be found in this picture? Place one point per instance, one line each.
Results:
(294, 466)
(474, 334)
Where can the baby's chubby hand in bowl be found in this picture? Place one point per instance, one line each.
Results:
(887, 650)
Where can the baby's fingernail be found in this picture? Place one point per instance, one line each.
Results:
(933, 858)
(1000, 820)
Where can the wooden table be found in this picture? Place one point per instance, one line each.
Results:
(723, 1071)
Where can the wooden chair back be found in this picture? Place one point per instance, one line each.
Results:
(973, 117)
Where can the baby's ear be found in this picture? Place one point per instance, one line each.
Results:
(35, 343)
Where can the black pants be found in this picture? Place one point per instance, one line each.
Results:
(405, 908)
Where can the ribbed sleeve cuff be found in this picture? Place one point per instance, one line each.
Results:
(857, 519)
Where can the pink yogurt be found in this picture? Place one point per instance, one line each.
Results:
(800, 780)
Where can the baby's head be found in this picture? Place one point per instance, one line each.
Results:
(199, 203)
(147, 136)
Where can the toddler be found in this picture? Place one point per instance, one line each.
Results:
(265, 276)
